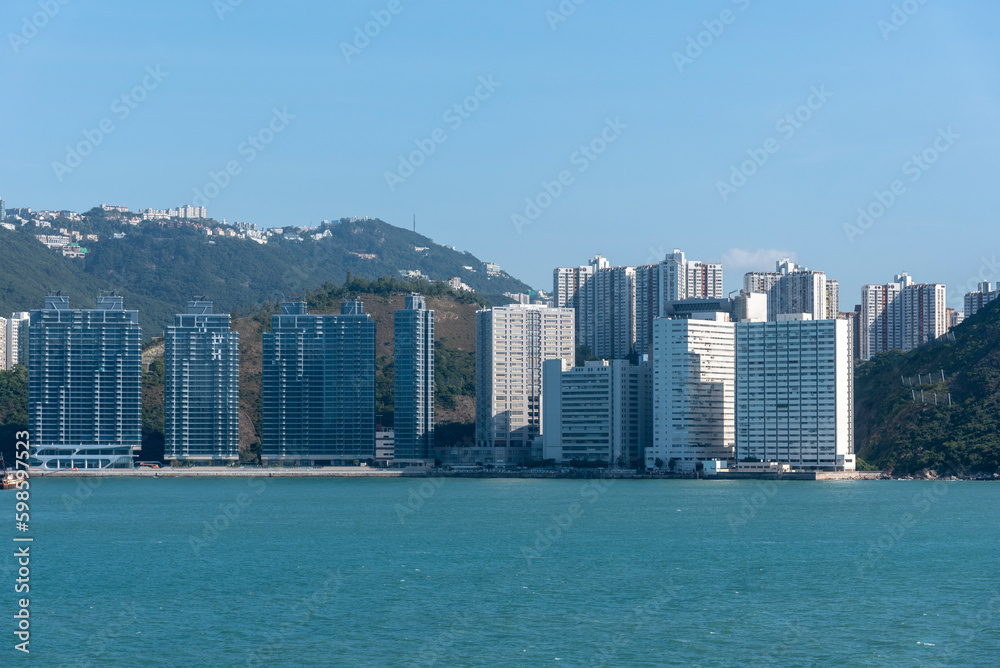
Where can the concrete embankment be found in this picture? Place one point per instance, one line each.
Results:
(230, 472)
(364, 472)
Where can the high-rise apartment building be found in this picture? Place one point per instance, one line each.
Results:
(901, 315)
(614, 313)
(647, 304)
(84, 384)
(512, 343)
(832, 299)
(201, 386)
(674, 279)
(693, 375)
(319, 386)
(974, 301)
(573, 287)
(793, 288)
(596, 413)
(616, 306)
(681, 278)
(3, 346)
(413, 369)
(794, 394)
(925, 314)
(16, 339)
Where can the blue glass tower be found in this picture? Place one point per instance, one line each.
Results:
(84, 385)
(202, 386)
(319, 386)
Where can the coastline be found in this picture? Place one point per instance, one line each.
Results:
(358, 472)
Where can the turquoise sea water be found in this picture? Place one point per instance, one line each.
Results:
(507, 572)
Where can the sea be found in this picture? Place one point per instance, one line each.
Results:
(504, 572)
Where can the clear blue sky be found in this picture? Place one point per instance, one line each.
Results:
(655, 187)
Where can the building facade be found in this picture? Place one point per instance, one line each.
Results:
(614, 313)
(16, 339)
(319, 386)
(615, 306)
(794, 394)
(832, 299)
(201, 398)
(596, 413)
(413, 369)
(84, 385)
(512, 343)
(792, 288)
(975, 301)
(901, 315)
(693, 376)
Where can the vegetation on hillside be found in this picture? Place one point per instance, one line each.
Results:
(158, 269)
(13, 409)
(899, 427)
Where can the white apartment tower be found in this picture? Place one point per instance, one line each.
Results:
(614, 313)
(974, 301)
(512, 343)
(616, 306)
(674, 279)
(16, 344)
(3, 345)
(793, 288)
(794, 394)
(573, 287)
(693, 377)
(832, 299)
(901, 315)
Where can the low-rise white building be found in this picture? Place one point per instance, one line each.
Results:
(385, 446)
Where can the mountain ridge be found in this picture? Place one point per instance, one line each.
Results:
(158, 269)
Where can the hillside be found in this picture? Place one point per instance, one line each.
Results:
(895, 432)
(158, 269)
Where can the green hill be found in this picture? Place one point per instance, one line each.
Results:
(158, 269)
(898, 431)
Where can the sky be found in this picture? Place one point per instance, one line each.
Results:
(857, 137)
